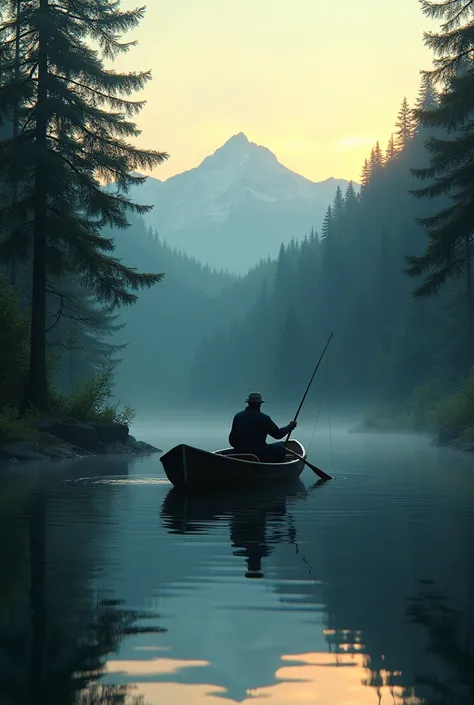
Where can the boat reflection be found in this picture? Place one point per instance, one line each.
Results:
(257, 518)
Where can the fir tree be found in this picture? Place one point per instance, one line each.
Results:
(74, 130)
(376, 159)
(454, 45)
(338, 204)
(391, 152)
(427, 96)
(350, 199)
(404, 126)
(450, 230)
(327, 227)
(365, 176)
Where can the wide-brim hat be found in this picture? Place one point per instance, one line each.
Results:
(255, 398)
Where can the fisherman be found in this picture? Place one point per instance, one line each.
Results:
(250, 428)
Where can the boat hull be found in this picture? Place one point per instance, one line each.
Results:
(193, 468)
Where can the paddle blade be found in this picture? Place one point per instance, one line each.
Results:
(320, 473)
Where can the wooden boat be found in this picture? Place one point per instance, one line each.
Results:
(193, 468)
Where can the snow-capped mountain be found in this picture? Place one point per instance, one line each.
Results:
(236, 207)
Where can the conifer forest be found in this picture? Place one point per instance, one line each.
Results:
(85, 282)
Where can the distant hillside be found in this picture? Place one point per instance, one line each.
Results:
(168, 323)
(237, 207)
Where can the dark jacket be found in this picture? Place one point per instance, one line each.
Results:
(250, 428)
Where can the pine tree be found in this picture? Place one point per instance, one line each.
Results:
(376, 159)
(427, 96)
(350, 198)
(327, 227)
(338, 204)
(391, 152)
(405, 126)
(450, 230)
(365, 176)
(75, 126)
(79, 328)
(453, 46)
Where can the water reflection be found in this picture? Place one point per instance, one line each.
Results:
(56, 630)
(248, 514)
(451, 640)
(117, 590)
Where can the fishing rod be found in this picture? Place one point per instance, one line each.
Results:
(316, 470)
(311, 381)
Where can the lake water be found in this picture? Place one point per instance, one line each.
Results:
(115, 590)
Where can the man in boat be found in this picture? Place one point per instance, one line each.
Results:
(250, 428)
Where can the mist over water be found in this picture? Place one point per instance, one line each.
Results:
(338, 567)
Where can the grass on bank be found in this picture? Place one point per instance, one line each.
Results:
(89, 402)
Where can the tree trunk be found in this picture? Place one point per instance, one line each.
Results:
(71, 371)
(12, 268)
(470, 307)
(37, 393)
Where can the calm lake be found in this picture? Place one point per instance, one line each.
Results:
(115, 590)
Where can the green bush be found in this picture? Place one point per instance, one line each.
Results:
(457, 410)
(16, 427)
(419, 413)
(90, 401)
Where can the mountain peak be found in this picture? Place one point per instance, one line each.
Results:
(239, 140)
(238, 150)
(237, 206)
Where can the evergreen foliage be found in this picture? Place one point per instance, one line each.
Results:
(75, 126)
(349, 279)
(450, 171)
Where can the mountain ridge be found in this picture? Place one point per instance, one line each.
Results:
(237, 206)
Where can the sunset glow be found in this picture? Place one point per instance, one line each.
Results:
(317, 83)
(302, 678)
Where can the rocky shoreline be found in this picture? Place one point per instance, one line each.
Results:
(67, 438)
(450, 438)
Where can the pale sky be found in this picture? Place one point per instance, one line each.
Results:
(315, 81)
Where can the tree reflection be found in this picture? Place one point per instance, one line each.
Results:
(53, 651)
(450, 634)
(99, 694)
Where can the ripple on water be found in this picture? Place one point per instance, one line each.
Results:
(120, 481)
(292, 597)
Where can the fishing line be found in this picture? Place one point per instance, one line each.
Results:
(323, 397)
(331, 447)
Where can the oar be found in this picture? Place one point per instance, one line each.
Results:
(320, 473)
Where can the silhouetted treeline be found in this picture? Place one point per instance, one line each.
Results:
(349, 278)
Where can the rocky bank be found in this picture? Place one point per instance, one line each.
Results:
(62, 438)
(451, 438)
